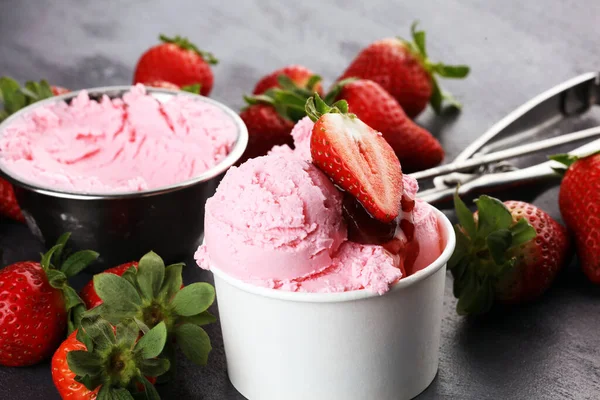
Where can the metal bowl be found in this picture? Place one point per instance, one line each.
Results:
(123, 227)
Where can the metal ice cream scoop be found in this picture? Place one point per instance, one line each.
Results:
(483, 165)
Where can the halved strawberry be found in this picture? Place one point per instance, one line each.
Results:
(356, 158)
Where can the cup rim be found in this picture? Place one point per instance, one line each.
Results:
(234, 155)
(353, 295)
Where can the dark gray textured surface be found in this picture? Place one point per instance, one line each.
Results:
(546, 350)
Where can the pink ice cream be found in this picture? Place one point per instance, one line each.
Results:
(356, 266)
(277, 221)
(301, 134)
(120, 145)
(274, 219)
(427, 243)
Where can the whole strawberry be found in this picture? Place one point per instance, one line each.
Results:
(177, 61)
(579, 202)
(63, 377)
(106, 362)
(356, 158)
(505, 253)
(416, 148)
(153, 294)
(405, 71)
(37, 304)
(270, 116)
(298, 74)
(266, 128)
(8, 203)
(88, 293)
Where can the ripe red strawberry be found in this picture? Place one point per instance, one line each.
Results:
(300, 75)
(58, 90)
(64, 378)
(8, 203)
(356, 158)
(88, 293)
(404, 70)
(154, 294)
(266, 128)
(270, 116)
(579, 202)
(120, 357)
(178, 61)
(506, 253)
(416, 148)
(35, 301)
(162, 84)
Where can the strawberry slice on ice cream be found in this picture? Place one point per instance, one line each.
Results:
(356, 158)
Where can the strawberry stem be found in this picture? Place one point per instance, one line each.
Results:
(152, 296)
(195, 88)
(114, 358)
(289, 99)
(316, 107)
(568, 159)
(185, 44)
(484, 252)
(59, 265)
(418, 49)
(336, 89)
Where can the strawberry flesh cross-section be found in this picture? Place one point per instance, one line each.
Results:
(356, 158)
(363, 165)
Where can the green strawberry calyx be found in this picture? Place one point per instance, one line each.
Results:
(418, 48)
(151, 295)
(14, 97)
(486, 252)
(335, 90)
(117, 359)
(59, 265)
(184, 43)
(195, 88)
(316, 107)
(288, 99)
(567, 160)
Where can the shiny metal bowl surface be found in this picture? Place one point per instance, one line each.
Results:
(122, 227)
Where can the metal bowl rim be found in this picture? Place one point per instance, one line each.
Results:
(234, 155)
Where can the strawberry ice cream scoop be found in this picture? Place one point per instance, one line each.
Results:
(301, 134)
(355, 266)
(273, 219)
(277, 221)
(428, 243)
(117, 145)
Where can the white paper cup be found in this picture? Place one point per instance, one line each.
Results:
(327, 346)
